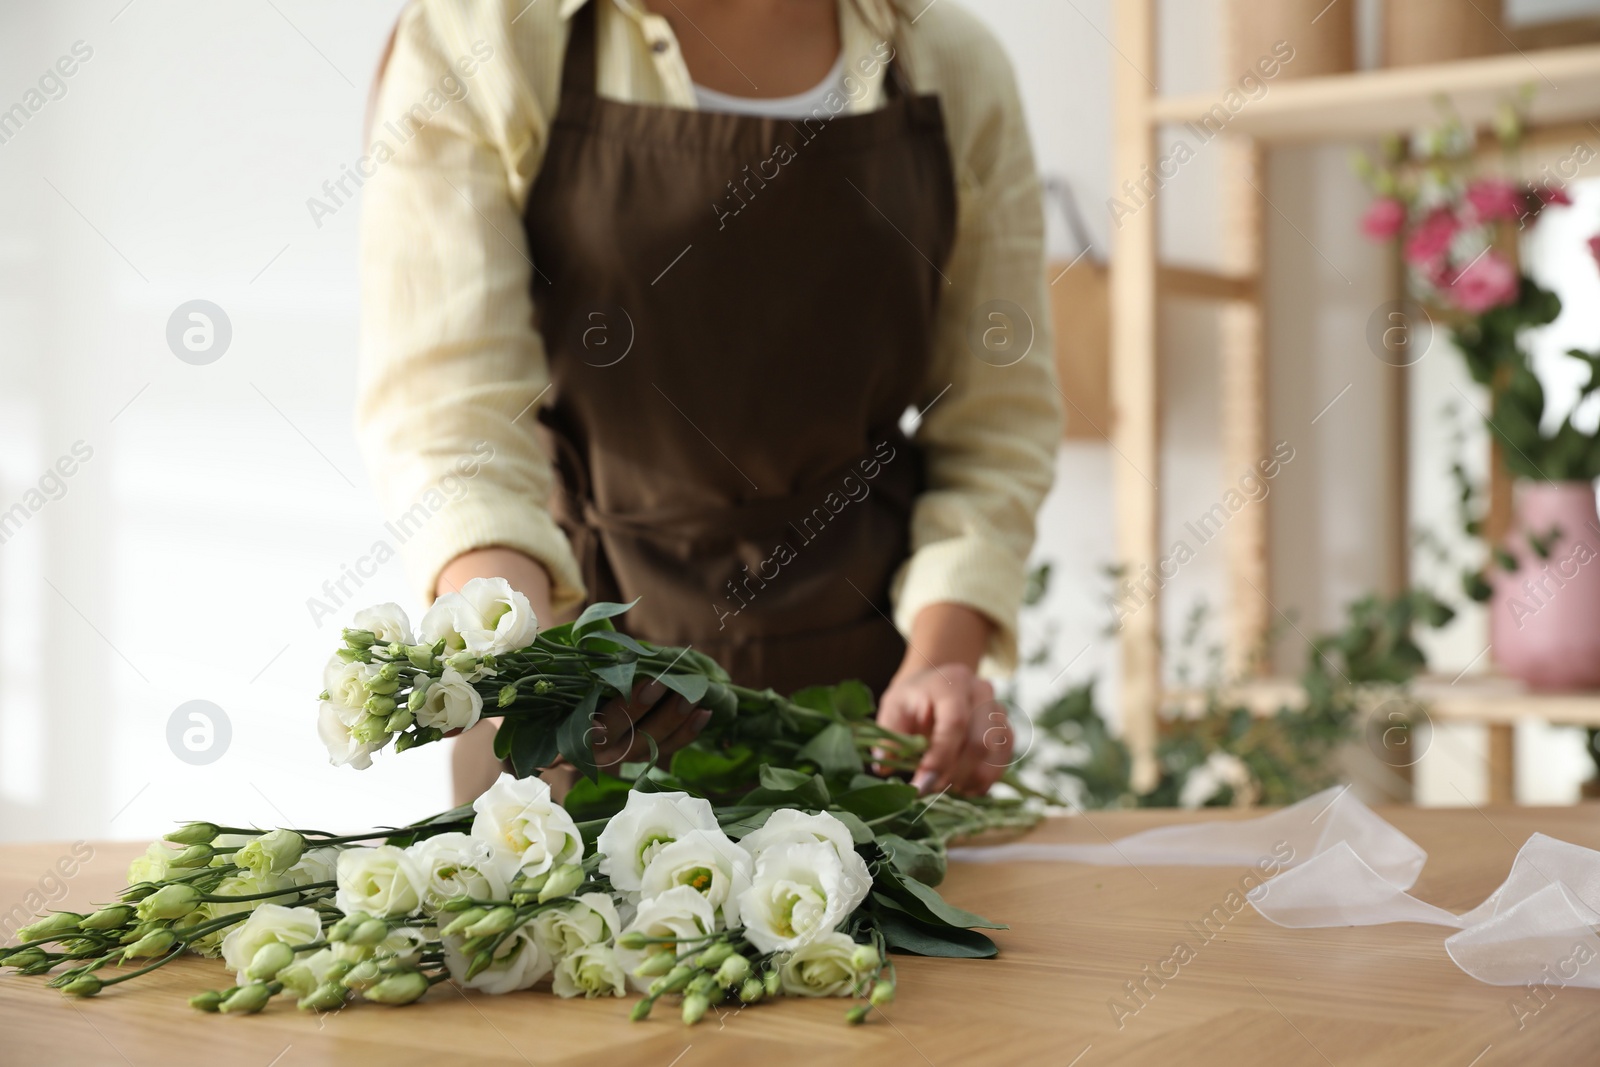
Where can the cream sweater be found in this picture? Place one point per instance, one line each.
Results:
(452, 364)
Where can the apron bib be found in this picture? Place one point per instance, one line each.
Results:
(737, 310)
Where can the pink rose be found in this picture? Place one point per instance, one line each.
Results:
(1383, 218)
(1594, 249)
(1430, 239)
(1496, 198)
(1485, 283)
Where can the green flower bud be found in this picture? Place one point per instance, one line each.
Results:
(56, 924)
(672, 981)
(865, 958)
(857, 1015)
(269, 960)
(210, 1000)
(155, 943)
(169, 902)
(86, 986)
(655, 965)
(372, 932)
(633, 941)
(464, 920)
(734, 969)
(562, 881)
(883, 993)
(497, 921)
(370, 731)
(247, 999)
(702, 985)
(389, 672)
(354, 655)
(193, 856)
(196, 833)
(457, 904)
(714, 955)
(107, 918)
(752, 990)
(463, 661)
(399, 988)
(138, 891)
(771, 983)
(641, 1009)
(26, 958)
(398, 721)
(418, 697)
(271, 853)
(362, 976)
(359, 638)
(508, 696)
(327, 997)
(379, 706)
(420, 657)
(694, 1006)
(347, 925)
(479, 963)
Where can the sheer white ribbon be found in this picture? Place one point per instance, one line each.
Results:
(1348, 867)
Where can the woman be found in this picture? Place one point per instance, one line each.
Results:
(680, 269)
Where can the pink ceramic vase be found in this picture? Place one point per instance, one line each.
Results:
(1544, 620)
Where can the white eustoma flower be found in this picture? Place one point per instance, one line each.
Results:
(316, 865)
(268, 924)
(647, 823)
(382, 881)
(335, 725)
(387, 622)
(789, 826)
(593, 972)
(346, 683)
(518, 815)
(307, 972)
(518, 964)
(799, 892)
(486, 617)
(153, 865)
(822, 967)
(450, 703)
(705, 861)
(461, 865)
(592, 919)
(680, 914)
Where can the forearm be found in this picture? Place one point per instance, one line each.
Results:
(945, 633)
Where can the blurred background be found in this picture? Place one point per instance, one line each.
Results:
(215, 502)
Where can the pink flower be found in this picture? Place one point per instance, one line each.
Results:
(1496, 198)
(1485, 283)
(1594, 249)
(1383, 218)
(1430, 239)
(1552, 194)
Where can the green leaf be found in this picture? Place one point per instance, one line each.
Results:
(925, 903)
(692, 687)
(714, 770)
(860, 832)
(573, 739)
(598, 798)
(878, 801)
(613, 641)
(914, 859)
(905, 934)
(619, 676)
(782, 787)
(533, 748)
(850, 700)
(833, 751)
(561, 635)
(597, 613)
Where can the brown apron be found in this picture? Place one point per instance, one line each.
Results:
(737, 312)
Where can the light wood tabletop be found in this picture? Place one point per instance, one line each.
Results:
(1253, 993)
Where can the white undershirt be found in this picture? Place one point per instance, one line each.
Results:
(777, 107)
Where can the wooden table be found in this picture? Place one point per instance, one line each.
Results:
(1253, 994)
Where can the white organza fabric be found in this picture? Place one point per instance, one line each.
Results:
(1350, 868)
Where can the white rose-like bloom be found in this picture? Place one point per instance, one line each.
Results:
(592, 971)
(681, 914)
(334, 725)
(459, 864)
(789, 826)
(645, 825)
(268, 924)
(798, 893)
(822, 967)
(518, 964)
(382, 881)
(154, 865)
(705, 861)
(450, 703)
(307, 972)
(316, 865)
(387, 622)
(486, 617)
(346, 683)
(592, 919)
(518, 815)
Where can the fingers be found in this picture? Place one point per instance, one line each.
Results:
(952, 714)
(903, 711)
(614, 734)
(989, 746)
(685, 733)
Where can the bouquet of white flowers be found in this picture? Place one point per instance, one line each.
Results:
(762, 860)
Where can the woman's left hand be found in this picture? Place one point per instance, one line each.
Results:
(969, 737)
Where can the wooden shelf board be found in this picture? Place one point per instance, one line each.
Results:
(1475, 699)
(1372, 103)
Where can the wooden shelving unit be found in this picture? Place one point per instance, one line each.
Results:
(1344, 107)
